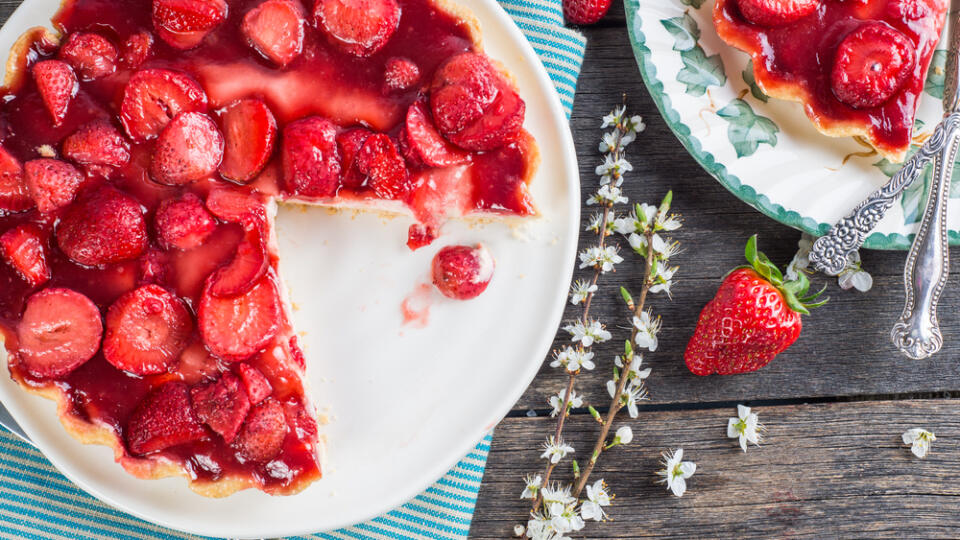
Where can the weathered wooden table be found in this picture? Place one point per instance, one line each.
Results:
(834, 404)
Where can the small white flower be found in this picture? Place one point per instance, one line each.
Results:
(646, 216)
(675, 471)
(555, 450)
(627, 224)
(647, 329)
(634, 373)
(564, 518)
(580, 290)
(532, 486)
(613, 118)
(557, 401)
(668, 223)
(746, 426)
(627, 138)
(597, 498)
(624, 435)
(519, 530)
(855, 278)
(605, 259)
(801, 260)
(609, 141)
(636, 123)
(607, 195)
(539, 527)
(661, 247)
(664, 279)
(559, 494)
(919, 440)
(594, 224)
(633, 393)
(588, 334)
(573, 359)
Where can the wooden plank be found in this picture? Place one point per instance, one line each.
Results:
(824, 471)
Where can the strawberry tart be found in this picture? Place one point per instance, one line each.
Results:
(143, 151)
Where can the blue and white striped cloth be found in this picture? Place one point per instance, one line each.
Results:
(36, 501)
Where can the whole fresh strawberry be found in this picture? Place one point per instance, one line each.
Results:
(753, 317)
(585, 11)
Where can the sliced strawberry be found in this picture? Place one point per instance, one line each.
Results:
(462, 89)
(275, 30)
(14, 195)
(400, 74)
(103, 227)
(184, 23)
(59, 331)
(97, 143)
(349, 142)
(91, 55)
(256, 383)
(263, 433)
(146, 330)
(303, 424)
(52, 183)
(776, 12)
(248, 265)
(163, 419)
(236, 205)
(152, 97)
(24, 248)
(358, 27)
(871, 64)
(386, 171)
(426, 142)
(153, 267)
(311, 161)
(462, 272)
(136, 49)
(57, 84)
(183, 223)
(188, 149)
(222, 404)
(419, 235)
(500, 124)
(235, 328)
(249, 131)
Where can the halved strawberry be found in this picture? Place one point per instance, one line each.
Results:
(256, 383)
(52, 183)
(380, 160)
(152, 97)
(97, 143)
(163, 419)
(776, 12)
(236, 328)
(358, 27)
(249, 132)
(59, 331)
(419, 235)
(183, 223)
(870, 65)
(400, 74)
(462, 272)
(24, 248)
(146, 330)
(91, 55)
(57, 84)
(14, 195)
(188, 149)
(248, 265)
(184, 23)
(105, 226)
(136, 49)
(263, 433)
(500, 124)
(275, 30)
(349, 142)
(236, 205)
(222, 404)
(426, 142)
(311, 161)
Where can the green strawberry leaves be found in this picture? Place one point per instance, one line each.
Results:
(795, 292)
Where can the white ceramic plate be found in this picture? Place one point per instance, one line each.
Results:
(764, 150)
(407, 403)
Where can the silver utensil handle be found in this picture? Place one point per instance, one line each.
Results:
(831, 252)
(917, 333)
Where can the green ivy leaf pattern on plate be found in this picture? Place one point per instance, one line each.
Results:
(684, 31)
(747, 129)
(752, 83)
(936, 74)
(695, 4)
(699, 70)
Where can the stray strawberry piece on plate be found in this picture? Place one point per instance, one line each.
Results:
(386, 171)
(14, 195)
(91, 55)
(24, 248)
(776, 12)
(103, 227)
(311, 161)
(188, 149)
(462, 272)
(871, 64)
(262, 435)
(136, 49)
(249, 132)
(183, 223)
(59, 331)
(222, 404)
(275, 30)
(419, 235)
(97, 143)
(256, 383)
(754, 316)
(184, 23)
(163, 419)
(585, 11)
(426, 143)
(57, 84)
(400, 74)
(248, 265)
(236, 328)
(52, 183)
(146, 330)
(358, 27)
(153, 97)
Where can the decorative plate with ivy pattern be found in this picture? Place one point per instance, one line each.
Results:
(765, 151)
